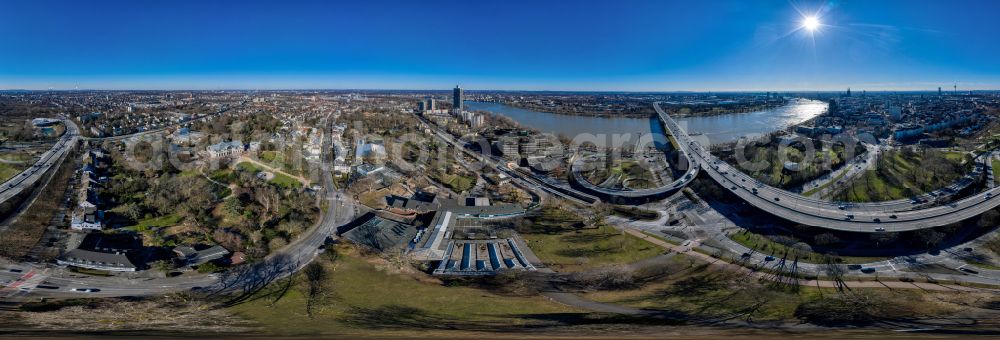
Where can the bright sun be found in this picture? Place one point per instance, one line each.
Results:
(810, 23)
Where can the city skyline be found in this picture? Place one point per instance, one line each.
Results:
(725, 46)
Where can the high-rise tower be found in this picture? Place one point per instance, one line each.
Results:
(457, 99)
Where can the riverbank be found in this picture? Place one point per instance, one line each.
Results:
(716, 128)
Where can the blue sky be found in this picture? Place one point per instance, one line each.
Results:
(528, 45)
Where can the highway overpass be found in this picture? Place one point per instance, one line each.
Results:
(872, 217)
(619, 195)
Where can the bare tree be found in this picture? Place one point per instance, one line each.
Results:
(247, 282)
(316, 279)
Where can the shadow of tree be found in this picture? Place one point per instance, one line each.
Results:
(403, 317)
(588, 252)
(586, 238)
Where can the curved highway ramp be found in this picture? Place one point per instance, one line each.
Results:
(872, 217)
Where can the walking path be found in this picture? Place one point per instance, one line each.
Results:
(232, 187)
(303, 180)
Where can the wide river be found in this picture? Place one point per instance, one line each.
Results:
(718, 129)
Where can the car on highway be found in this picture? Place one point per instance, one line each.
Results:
(970, 271)
(868, 270)
(86, 290)
(769, 258)
(854, 266)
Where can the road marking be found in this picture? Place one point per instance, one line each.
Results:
(19, 281)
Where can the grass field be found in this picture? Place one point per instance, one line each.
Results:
(765, 245)
(279, 160)
(374, 199)
(588, 248)
(772, 170)
(996, 170)
(692, 289)
(280, 179)
(455, 182)
(285, 181)
(271, 156)
(637, 176)
(9, 170)
(702, 294)
(250, 167)
(902, 175)
(955, 156)
(363, 298)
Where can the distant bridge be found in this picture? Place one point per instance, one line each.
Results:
(871, 217)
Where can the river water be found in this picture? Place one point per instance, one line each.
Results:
(718, 129)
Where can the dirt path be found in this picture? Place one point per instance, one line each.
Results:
(571, 299)
(232, 187)
(301, 179)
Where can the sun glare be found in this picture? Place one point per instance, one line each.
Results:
(810, 23)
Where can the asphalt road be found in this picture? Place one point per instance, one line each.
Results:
(527, 181)
(679, 183)
(27, 178)
(22, 280)
(710, 226)
(856, 217)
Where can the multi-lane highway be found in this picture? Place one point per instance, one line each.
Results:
(27, 179)
(856, 217)
(523, 179)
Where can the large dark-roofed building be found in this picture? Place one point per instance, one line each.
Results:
(382, 234)
(115, 262)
